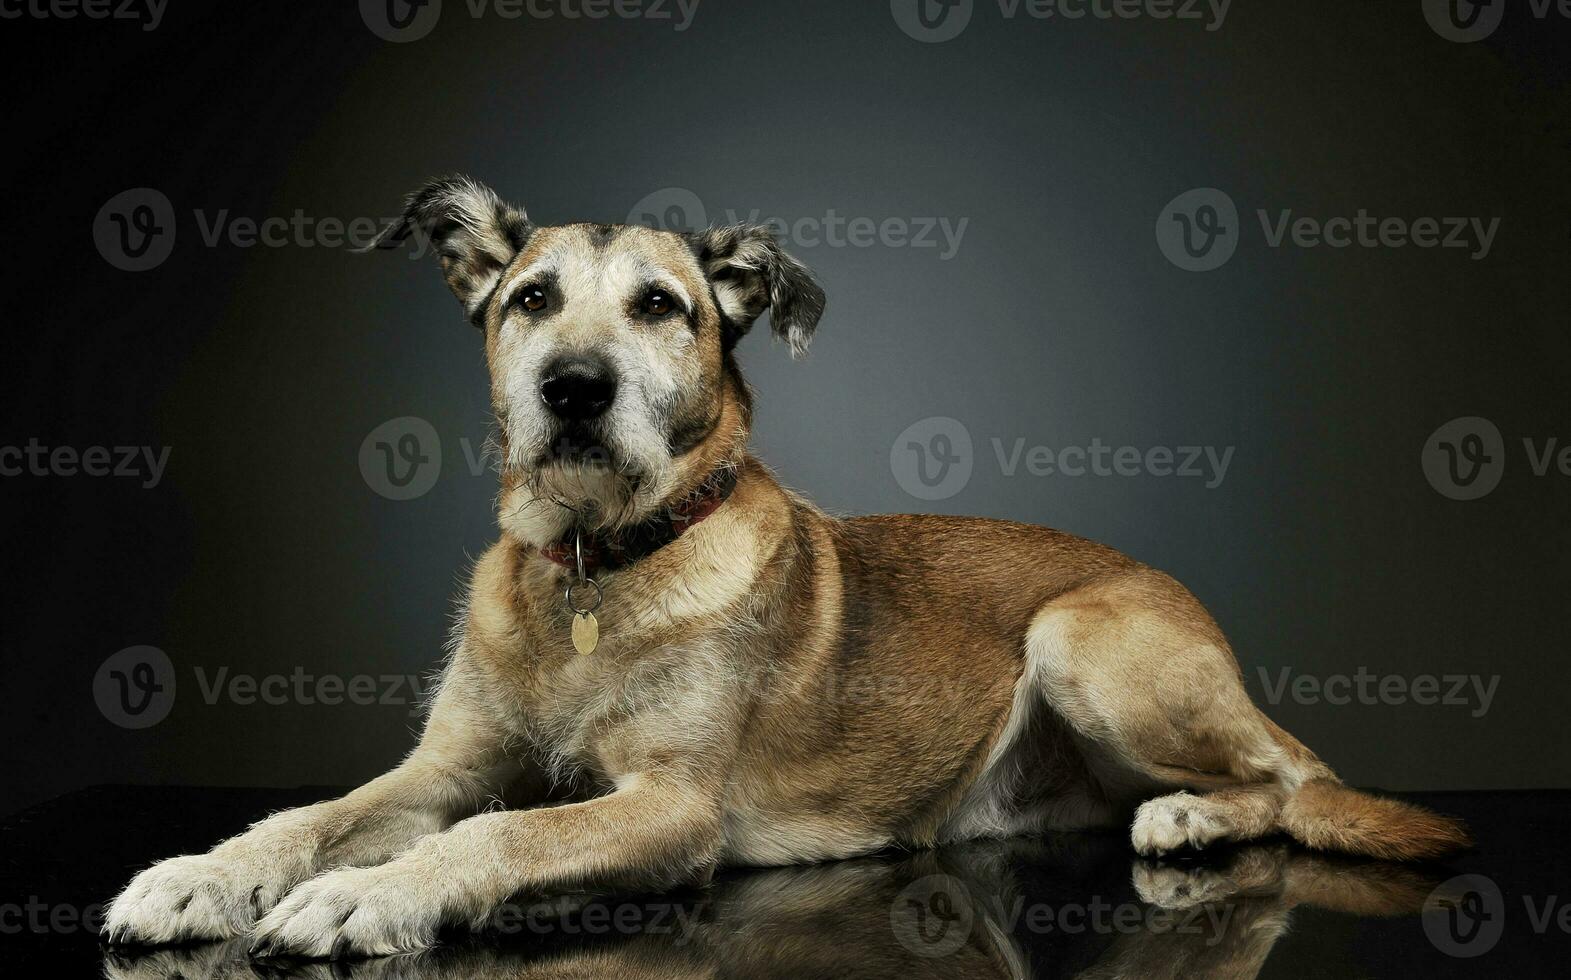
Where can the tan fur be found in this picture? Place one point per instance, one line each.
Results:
(776, 686)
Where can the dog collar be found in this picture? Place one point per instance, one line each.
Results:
(623, 548)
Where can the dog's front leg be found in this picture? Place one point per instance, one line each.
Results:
(461, 759)
(652, 832)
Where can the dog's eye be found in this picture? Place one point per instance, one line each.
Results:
(532, 298)
(659, 303)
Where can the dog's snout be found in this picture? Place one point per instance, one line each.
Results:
(578, 388)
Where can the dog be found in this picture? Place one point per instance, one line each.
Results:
(668, 662)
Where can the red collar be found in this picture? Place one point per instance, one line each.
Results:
(630, 544)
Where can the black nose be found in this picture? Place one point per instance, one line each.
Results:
(578, 388)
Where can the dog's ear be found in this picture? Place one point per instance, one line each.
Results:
(751, 273)
(475, 234)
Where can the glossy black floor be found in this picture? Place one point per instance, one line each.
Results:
(1070, 906)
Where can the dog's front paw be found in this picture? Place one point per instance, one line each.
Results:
(194, 897)
(351, 912)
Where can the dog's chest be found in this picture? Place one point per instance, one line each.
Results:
(612, 711)
(664, 672)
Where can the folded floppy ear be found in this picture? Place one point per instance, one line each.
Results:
(750, 273)
(476, 236)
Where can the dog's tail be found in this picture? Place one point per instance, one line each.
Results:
(1327, 816)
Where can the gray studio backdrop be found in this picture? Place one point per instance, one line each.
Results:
(1188, 286)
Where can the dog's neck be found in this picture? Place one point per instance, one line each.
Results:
(620, 548)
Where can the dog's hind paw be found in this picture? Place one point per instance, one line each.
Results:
(1168, 823)
(1181, 888)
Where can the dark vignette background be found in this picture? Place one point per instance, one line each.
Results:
(1058, 321)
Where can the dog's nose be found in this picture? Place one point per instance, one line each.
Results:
(578, 388)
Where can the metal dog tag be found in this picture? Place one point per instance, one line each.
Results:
(586, 632)
(586, 629)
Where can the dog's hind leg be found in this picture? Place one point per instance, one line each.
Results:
(1145, 679)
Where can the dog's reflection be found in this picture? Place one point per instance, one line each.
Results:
(1071, 907)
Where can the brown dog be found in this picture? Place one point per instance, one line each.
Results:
(697, 667)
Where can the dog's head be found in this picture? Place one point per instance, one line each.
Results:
(610, 348)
